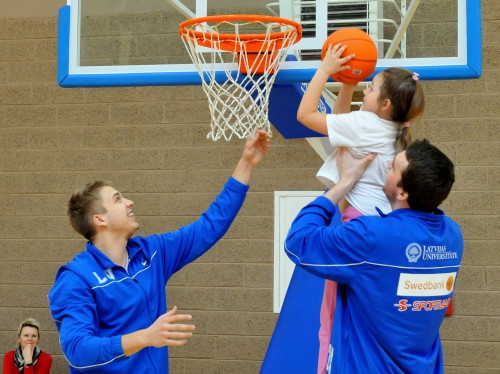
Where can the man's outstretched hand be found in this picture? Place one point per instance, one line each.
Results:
(255, 148)
(166, 330)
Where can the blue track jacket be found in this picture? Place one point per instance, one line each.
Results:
(94, 302)
(396, 274)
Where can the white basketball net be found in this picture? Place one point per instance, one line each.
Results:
(239, 105)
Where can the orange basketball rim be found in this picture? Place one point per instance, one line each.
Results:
(236, 33)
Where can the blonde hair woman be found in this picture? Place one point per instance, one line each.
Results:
(28, 358)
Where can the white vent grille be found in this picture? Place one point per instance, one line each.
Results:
(352, 14)
(320, 18)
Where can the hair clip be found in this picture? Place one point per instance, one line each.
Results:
(415, 76)
(406, 124)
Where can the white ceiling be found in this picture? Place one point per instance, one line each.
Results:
(30, 8)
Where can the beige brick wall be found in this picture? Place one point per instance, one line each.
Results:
(151, 143)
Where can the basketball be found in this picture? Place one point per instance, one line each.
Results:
(359, 43)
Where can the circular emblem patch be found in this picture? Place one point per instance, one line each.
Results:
(413, 252)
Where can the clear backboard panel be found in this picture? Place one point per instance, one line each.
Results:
(130, 42)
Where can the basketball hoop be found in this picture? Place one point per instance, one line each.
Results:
(249, 50)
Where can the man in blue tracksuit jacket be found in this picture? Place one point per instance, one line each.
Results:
(109, 303)
(396, 272)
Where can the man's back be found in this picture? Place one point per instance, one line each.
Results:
(399, 296)
(396, 276)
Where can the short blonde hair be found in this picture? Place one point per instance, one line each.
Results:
(30, 322)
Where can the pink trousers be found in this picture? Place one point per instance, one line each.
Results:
(328, 306)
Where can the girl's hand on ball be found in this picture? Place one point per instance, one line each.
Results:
(333, 62)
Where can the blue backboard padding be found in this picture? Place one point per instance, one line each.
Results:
(63, 44)
(294, 345)
(474, 39)
(284, 101)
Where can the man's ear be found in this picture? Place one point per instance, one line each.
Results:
(99, 220)
(402, 195)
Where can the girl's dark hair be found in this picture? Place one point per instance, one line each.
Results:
(428, 178)
(82, 205)
(406, 94)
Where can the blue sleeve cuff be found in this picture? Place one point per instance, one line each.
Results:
(326, 203)
(236, 185)
(116, 346)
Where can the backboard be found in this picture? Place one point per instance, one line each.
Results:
(132, 43)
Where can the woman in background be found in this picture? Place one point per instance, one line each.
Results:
(28, 358)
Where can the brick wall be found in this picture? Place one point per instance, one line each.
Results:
(151, 143)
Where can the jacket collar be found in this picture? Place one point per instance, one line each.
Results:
(133, 249)
(437, 215)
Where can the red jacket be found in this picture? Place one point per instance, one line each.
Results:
(42, 365)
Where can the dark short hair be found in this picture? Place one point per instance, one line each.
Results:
(82, 205)
(428, 178)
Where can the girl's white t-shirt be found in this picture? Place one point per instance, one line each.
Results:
(363, 133)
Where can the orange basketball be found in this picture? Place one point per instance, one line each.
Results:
(359, 43)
